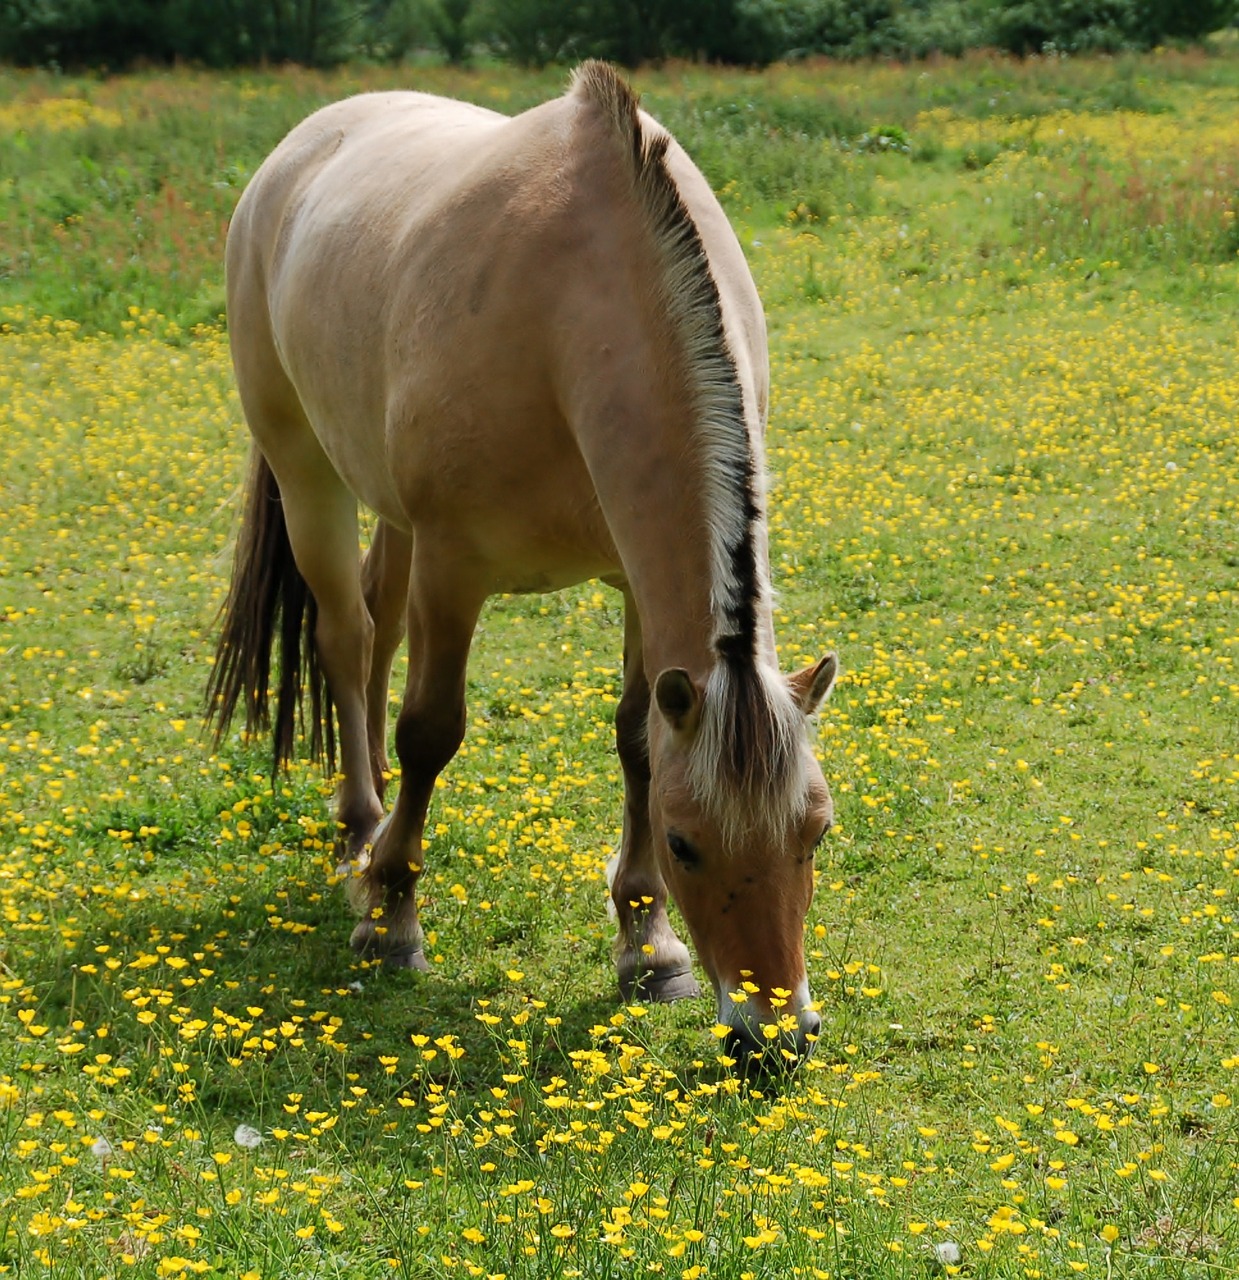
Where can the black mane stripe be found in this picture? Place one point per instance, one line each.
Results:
(691, 297)
(746, 766)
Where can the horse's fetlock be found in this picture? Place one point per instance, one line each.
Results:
(635, 904)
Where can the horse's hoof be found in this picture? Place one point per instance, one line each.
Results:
(396, 958)
(369, 945)
(659, 987)
(406, 958)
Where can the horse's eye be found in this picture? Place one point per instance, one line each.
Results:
(682, 851)
(817, 844)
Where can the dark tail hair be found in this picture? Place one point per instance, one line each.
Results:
(269, 595)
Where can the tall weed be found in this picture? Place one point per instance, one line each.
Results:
(1135, 210)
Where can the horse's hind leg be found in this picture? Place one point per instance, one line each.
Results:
(385, 584)
(443, 606)
(321, 518)
(653, 963)
(322, 527)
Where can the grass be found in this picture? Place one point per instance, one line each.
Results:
(1007, 488)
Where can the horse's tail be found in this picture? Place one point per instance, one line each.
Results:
(268, 595)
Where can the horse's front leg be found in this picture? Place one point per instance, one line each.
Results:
(443, 608)
(653, 963)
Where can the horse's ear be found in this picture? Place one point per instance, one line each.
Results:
(811, 687)
(678, 699)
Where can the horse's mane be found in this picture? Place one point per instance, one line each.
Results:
(745, 766)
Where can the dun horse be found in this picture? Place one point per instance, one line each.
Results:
(533, 348)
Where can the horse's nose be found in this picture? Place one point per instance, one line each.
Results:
(784, 1052)
(807, 1031)
(747, 1052)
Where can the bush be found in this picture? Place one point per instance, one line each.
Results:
(1071, 26)
(452, 28)
(775, 29)
(1192, 20)
(950, 27)
(630, 32)
(768, 30)
(530, 33)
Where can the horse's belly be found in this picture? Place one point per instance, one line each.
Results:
(528, 530)
(360, 460)
(526, 564)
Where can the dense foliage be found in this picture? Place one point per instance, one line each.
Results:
(117, 33)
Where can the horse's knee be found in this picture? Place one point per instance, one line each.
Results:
(359, 811)
(637, 895)
(631, 740)
(427, 739)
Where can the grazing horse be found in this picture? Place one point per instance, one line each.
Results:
(533, 348)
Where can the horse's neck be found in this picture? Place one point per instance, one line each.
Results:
(659, 410)
(650, 485)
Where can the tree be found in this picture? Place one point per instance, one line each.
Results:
(117, 33)
(1189, 20)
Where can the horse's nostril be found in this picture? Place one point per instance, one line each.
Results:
(811, 1023)
(740, 1045)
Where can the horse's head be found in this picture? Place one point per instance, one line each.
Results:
(738, 804)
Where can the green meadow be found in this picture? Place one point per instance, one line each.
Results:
(1001, 302)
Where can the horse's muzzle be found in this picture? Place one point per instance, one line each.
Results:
(783, 1052)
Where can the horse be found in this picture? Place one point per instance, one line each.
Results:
(532, 347)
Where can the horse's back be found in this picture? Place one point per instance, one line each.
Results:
(341, 219)
(394, 273)
(325, 215)
(345, 156)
